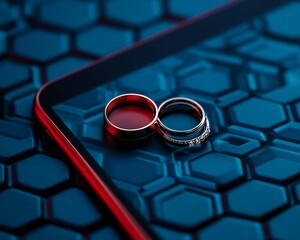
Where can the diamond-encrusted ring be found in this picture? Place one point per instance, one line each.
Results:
(188, 142)
(189, 137)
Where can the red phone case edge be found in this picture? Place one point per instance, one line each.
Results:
(128, 222)
(126, 219)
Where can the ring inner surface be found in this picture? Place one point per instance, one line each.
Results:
(180, 116)
(131, 114)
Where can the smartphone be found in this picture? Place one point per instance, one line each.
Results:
(157, 191)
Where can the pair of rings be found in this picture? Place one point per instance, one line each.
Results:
(133, 116)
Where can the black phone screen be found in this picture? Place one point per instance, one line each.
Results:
(245, 81)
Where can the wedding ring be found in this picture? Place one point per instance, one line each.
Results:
(177, 102)
(130, 116)
(195, 141)
(189, 137)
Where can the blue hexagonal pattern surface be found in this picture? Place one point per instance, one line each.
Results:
(297, 108)
(216, 167)
(103, 40)
(126, 168)
(234, 229)
(245, 115)
(73, 207)
(276, 164)
(18, 208)
(14, 73)
(247, 79)
(7, 236)
(47, 45)
(272, 51)
(118, 10)
(165, 233)
(212, 81)
(105, 233)
(290, 131)
(41, 172)
(78, 16)
(256, 199)
(285, 21)
(19, 102)
(285, 225)
(8, 13)
(285, 94)
(48, 232)
(258, 113)
(64, 66)
(14, 139)
(292, 75)
(195, 209)
(152, 83)
(2, 43)
(156, 28)
(235, 144)
(297, 191)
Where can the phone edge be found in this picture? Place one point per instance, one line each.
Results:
(125, 218)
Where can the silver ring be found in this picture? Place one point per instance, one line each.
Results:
(181, 101)
(201, 130)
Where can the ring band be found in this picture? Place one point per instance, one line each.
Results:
(202, 129)
(189, 142)
(181, 101)
(130, 133)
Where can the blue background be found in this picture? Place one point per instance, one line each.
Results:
(247, 79)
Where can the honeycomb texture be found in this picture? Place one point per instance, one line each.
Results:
(242, 183)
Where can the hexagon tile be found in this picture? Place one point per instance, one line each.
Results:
(73, 207)
(118, 11)
(287, 28)
(14, 139)
(255, 199)
(258, 113)
(211, 81)
(47, 45)
(52, 232)
(41, 172)
(218, 168)
(284, 225)
(98, 41)
(276, 164)
(65, 66)
(19, 208)
(195, 208)
(81, 14)
(234, 229)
